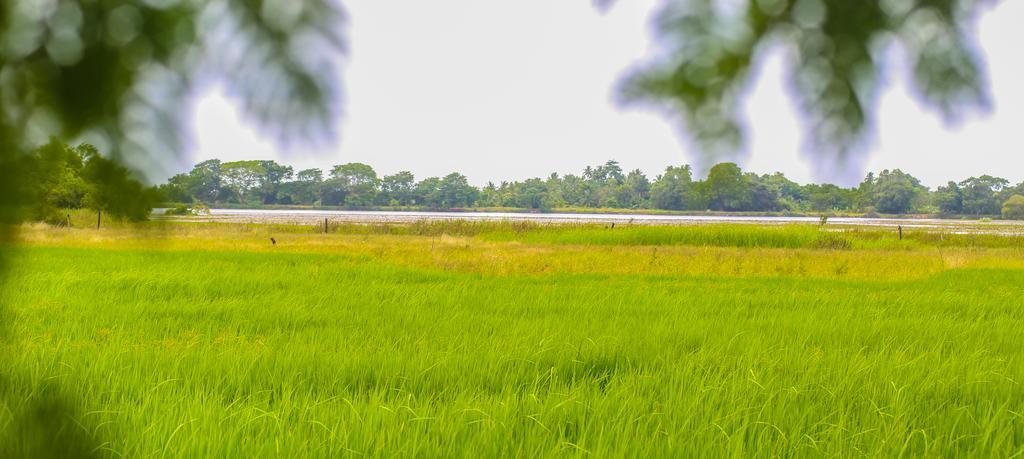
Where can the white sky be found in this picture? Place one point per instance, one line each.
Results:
(501, 90)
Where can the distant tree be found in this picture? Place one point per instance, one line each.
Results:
(554, 196)
(612, 196)
(50, 181)
(1013, 208)
(305, 189)
(866, 192)
(672, 190)
(574, 190)
(274, 175)
(980, 194)
(310, 175)
(455, 191)
(790, 194)
(610, 171)
(242, 179)
(428, 192)
(532, 194)
(489, 196)
(949, 199)
(763, 198)
(399, 189)
(112, 189)
(602, 183)
(636, 190)
(58, 179)
(206, 183)
(726, 188)
(828, 197)
(176, 189)
(1012, 190)
(352, 184)
(507, 194)
(894, 192)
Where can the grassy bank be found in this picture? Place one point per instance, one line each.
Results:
(486, 339)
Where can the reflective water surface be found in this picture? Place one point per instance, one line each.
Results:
(356, 216)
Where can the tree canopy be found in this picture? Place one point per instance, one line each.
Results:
(64, 178)
(727, 188)
(1014, 207)
(118, 73)
(121, 71)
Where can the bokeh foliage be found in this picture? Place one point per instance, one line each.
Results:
(119, 74)
(707, 51)
(121, 70)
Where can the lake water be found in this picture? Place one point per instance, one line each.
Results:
(354, 216)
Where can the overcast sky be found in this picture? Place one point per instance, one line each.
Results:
(503, 90)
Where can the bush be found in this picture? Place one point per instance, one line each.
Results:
(58, 219)
(1013, 208)
(183, 210)
(178, 210)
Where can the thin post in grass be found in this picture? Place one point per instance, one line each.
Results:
(900, 229)
(99, 217)
(326, 228)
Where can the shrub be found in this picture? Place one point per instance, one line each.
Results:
(1013, 208)
(198, 209)
(177, 210)
(59, 219)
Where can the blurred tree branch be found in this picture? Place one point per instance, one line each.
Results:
(119, 73)
(706, 48)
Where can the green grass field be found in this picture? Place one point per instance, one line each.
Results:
(468, 339)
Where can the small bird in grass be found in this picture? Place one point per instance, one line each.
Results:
(273, 241)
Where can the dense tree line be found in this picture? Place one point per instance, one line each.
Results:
(726, 188)
(58, 178)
